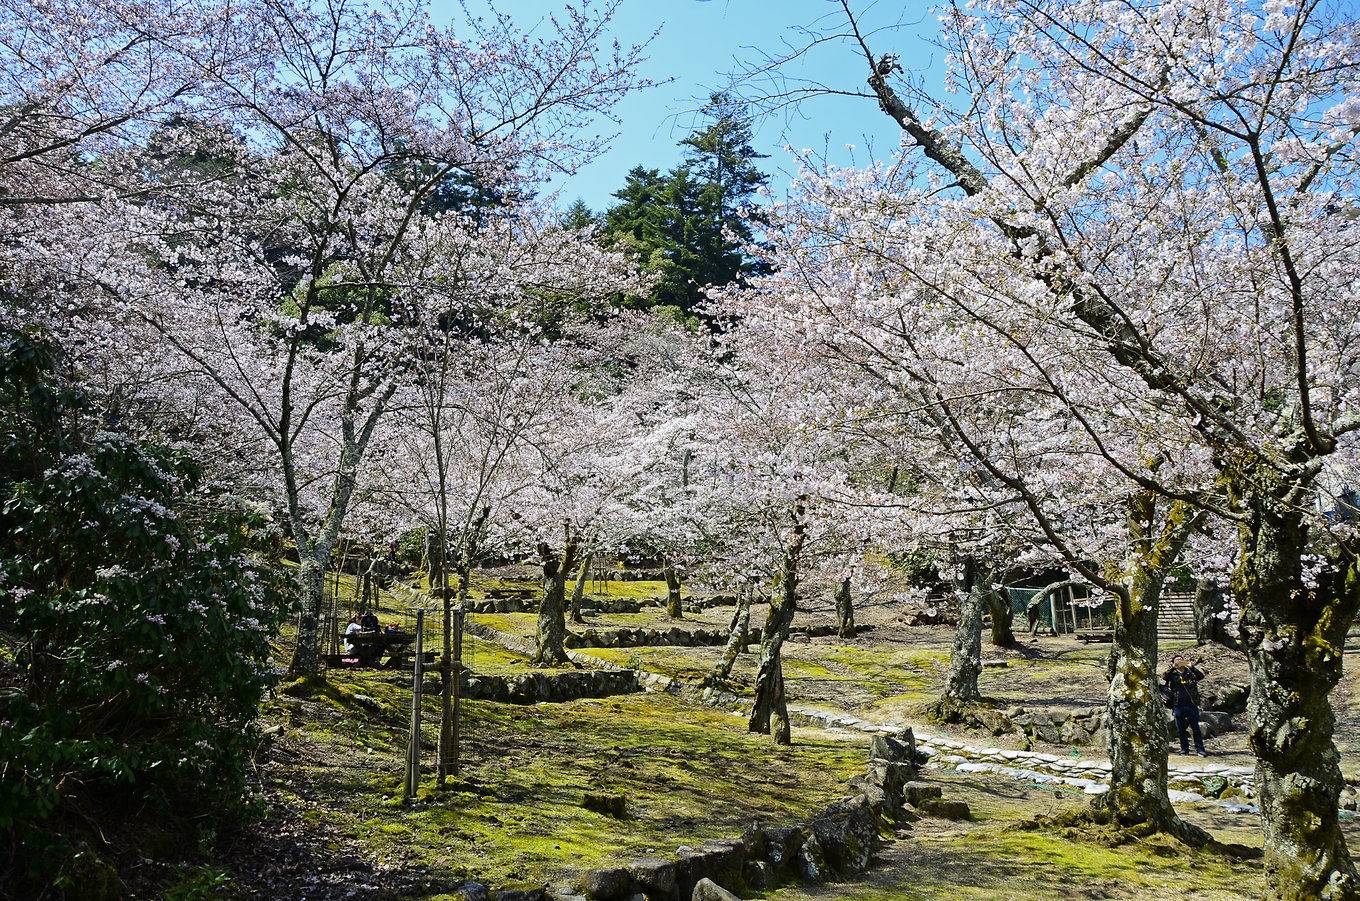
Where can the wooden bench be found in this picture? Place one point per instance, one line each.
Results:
(1098, 635)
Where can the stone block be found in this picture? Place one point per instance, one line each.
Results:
(655, 877)
(609, 805)
(945, 809)
(606, 884)
(708, 890)
(917, 792)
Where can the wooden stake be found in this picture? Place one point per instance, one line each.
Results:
(412, 786)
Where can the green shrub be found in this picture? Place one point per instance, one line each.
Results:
(136, 628)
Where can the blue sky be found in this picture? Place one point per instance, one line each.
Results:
(701, 41)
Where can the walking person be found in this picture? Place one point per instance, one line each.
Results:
(1182, 688)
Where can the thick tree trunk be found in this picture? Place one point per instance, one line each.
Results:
(845, 610)
(965, 659)
(552, 610)
(736, 637)
(1135, 718)
(673, 608)
(770, 713)
(311, 598)
(1003, 618)
(579, 589)
(1293, 638)
(1211, 611)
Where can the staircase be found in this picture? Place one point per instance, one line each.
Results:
(1176, 621)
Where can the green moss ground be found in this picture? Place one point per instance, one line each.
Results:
(995, 858)
(689, 774)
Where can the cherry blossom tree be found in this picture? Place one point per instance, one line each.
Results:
(473, 400)
(1162, 192)
(281, 276)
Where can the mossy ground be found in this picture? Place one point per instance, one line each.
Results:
(515, 815)
(996, 857)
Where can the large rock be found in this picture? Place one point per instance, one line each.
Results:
(811, 861)
(781, 849)
(945, 809)
(917, 792)
(1229, 697)
(522, 892)
(655, 876)
(719, 861)
(847, 833)
(607, 884)
(708, 890)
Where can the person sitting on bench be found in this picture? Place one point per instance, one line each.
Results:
(370, 622)
(350, 630)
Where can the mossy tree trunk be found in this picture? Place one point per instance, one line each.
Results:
(552, 610)
(1003, 618)
(1293, 638)
(845, 610)
(736, 636)
(673, 608)
(579, 589)
(965, 658)
(311, 578)
(770, 712)
(1135, 719)
(1211, 615)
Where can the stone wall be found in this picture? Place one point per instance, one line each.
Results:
(643, 638)
(535, 688)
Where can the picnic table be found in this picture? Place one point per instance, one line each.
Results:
(367, 648)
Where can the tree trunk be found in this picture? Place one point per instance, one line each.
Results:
(965, 659)
(769, 684)
(673, 608)
(845, 609)
(1135, 719)
(736, 637)
(1293, 638)
(579, 589)
(1211, 612)
(1003, 618)
(446, 676)
(770, 713)
(552, 611)
(311, 596)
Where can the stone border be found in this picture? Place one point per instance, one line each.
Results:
(539, 688)
(674, 637)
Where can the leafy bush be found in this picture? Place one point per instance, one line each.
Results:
(135, 629)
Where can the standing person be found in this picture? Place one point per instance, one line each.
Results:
(1182, 684)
